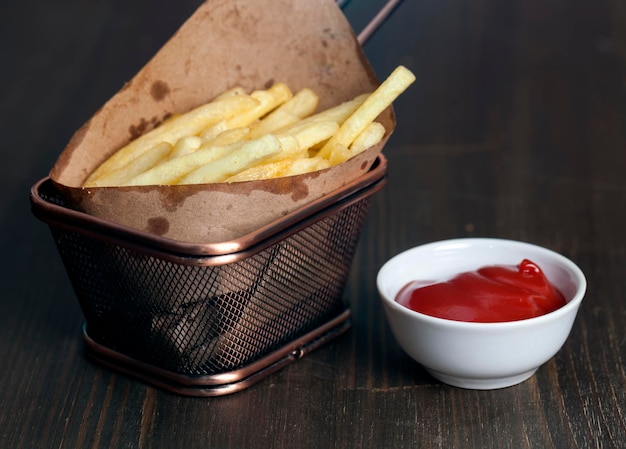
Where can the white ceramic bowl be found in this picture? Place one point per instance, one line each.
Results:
(478, 355)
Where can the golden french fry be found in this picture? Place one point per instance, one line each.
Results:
(170, 171)
(275, 121)
(367, 139)
(337, 113)
(309, 134)
(306, 165)
(396, 83)
(340, 153)
(266, 170)
(249, 153)
(189, 123)
(370, 136)
(138, 165)
(301, 105)
(213, 131)
(229, 136)
(279, 92)
(289, 148)
(268, 100)
(185, 145)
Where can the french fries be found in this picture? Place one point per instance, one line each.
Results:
(249, 153)
(301, 105)
(137, 166)
(240, 136)
(171, 130)
(366, 113)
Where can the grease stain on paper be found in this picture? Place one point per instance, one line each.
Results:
(137, 130)
(158, 225)
(159, 90)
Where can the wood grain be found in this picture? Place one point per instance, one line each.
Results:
(515, 128)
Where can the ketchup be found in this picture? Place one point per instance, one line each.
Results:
(491, 294)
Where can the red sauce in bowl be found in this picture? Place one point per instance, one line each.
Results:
(490, 294)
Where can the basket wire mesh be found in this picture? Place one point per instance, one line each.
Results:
(196, 318)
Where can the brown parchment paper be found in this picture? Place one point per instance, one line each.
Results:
(225, 43)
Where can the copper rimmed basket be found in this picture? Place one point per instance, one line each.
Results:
(208, 320)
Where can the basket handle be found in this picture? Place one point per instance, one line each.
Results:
(376, 21)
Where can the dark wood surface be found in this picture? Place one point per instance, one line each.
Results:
(515, 128)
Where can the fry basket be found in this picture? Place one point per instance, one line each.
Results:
(208, 320)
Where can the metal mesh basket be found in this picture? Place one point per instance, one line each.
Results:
(199, 321)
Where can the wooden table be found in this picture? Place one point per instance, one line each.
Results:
(515, 128)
